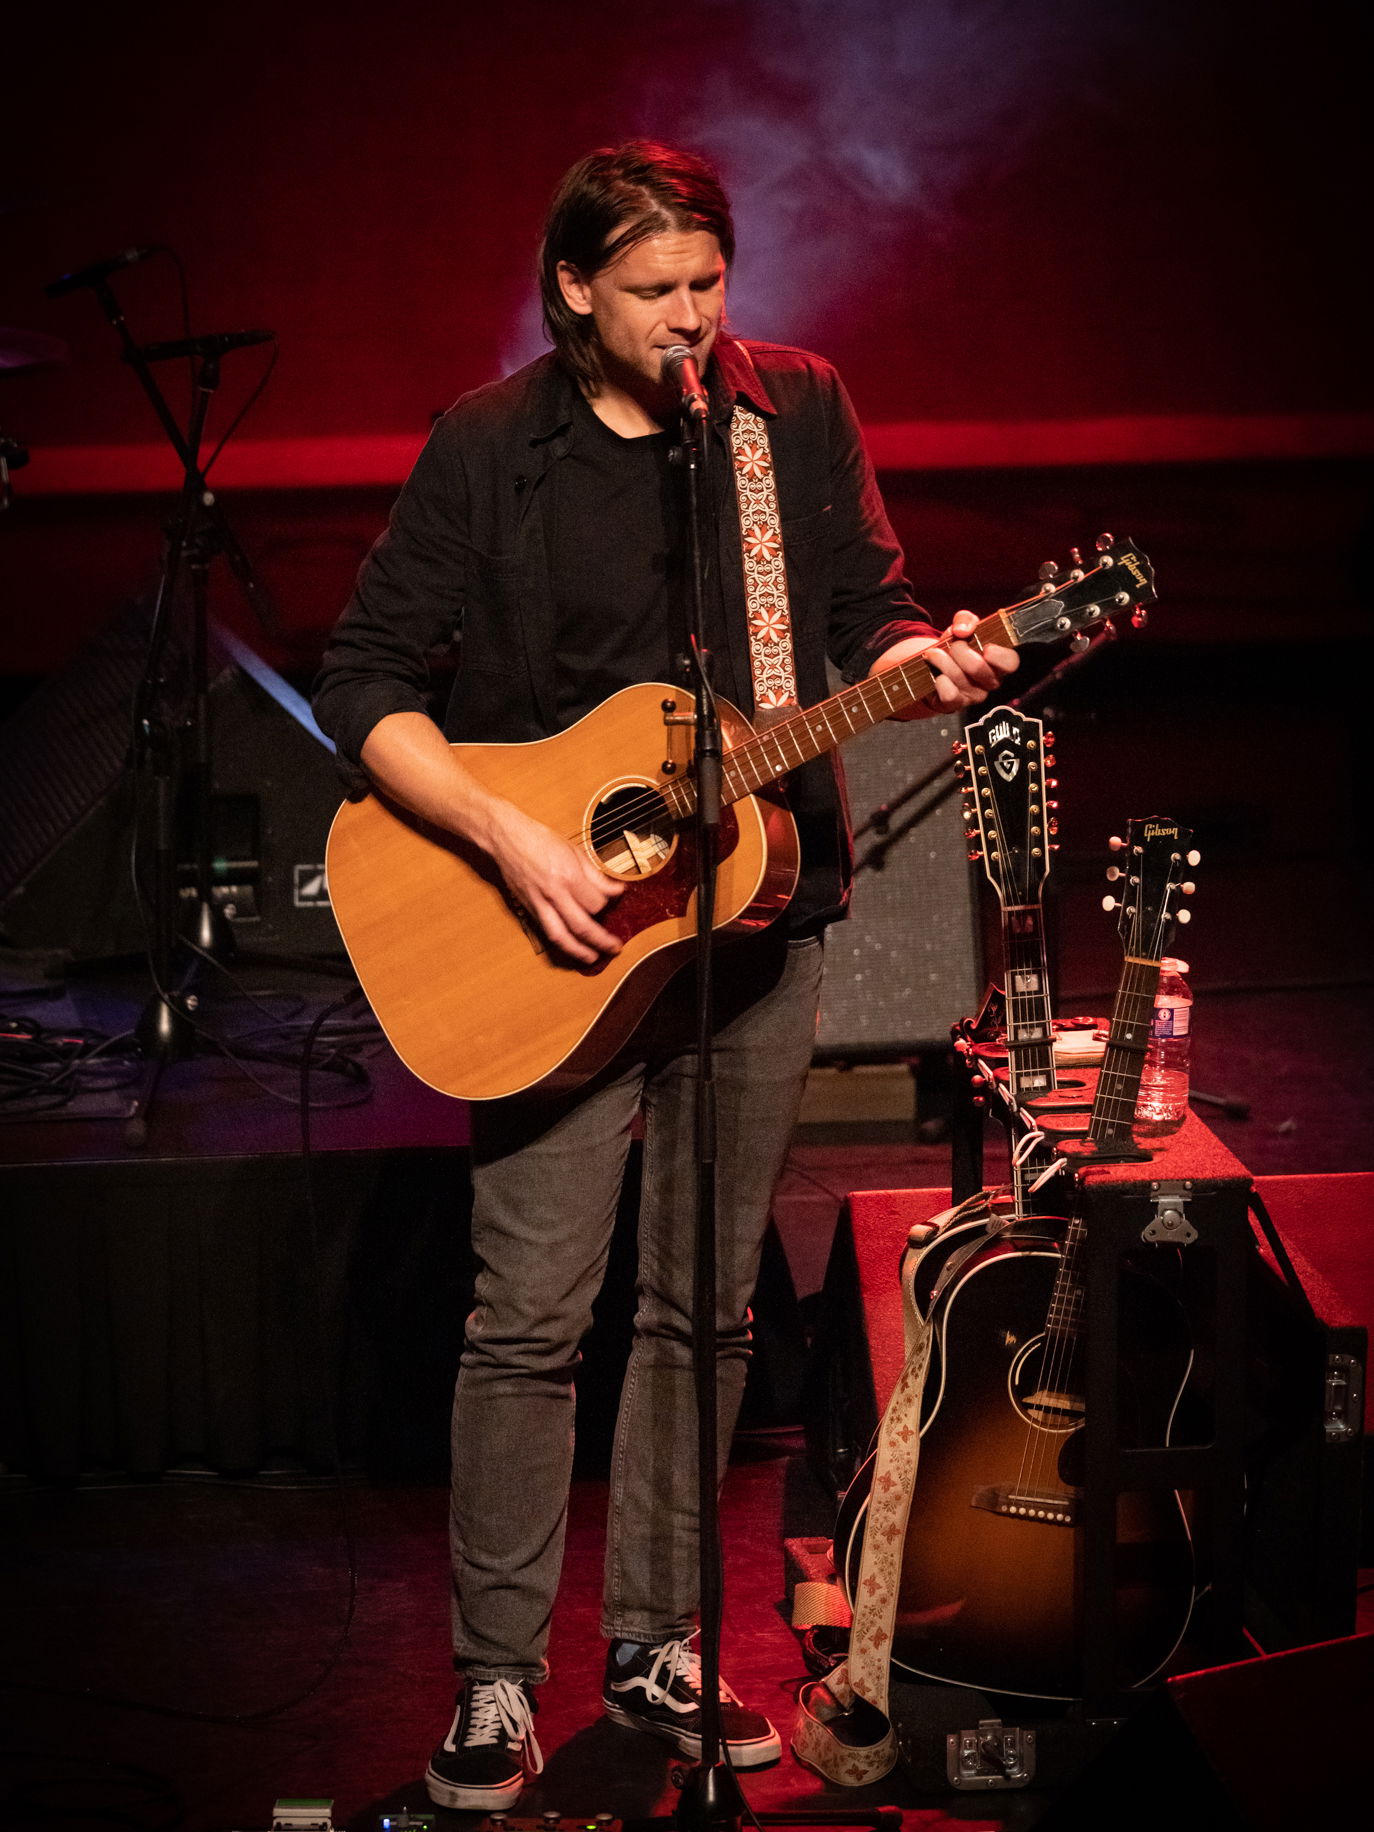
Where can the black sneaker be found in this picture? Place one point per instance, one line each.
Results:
(481, 1764)
(658, 1689)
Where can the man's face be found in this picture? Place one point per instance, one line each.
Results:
(668, 289)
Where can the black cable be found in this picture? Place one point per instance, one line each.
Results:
(246, 409)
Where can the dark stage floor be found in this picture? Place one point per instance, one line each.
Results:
(176, 1649)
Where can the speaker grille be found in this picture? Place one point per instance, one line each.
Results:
(67, 745)
(907, 963)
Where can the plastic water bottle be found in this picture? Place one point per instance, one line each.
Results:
(1163, 1099)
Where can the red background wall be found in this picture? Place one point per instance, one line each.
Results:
(981, 210)
(1081, 264)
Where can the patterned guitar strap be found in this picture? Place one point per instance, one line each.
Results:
(771, 658)
(842, 1728)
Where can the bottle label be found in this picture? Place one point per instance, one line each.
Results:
(1171, 1020)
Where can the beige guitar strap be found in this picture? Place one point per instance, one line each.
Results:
(765, 571)
(842, 1727)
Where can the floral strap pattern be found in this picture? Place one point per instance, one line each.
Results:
(765, 570)
(842, 1728)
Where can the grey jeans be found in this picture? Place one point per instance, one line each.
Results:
(546, 1182)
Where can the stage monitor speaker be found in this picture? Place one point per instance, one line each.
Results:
(907, 964)
(1267, 1745)
(65, 842)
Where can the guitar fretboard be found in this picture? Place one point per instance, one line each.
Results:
(1064, 1319)
(1030, 1036)
(813, 730)
(1119, 1081)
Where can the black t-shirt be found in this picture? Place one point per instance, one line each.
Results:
(617, 563)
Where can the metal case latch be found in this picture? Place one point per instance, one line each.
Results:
(1171, 1225)
(994, 1755)
(1343, 1412)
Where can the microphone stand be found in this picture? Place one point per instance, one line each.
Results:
(228, 542)
(165, 1028)
(710, 1795)
(710, 1798)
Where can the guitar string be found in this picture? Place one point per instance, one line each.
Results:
(809, 720)
(1036, 1443)
(757, 745)
(1154, 947)
(800, 729)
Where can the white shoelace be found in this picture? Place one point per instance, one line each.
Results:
(674, 1659)
(498, 1705)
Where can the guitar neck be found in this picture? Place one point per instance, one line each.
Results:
(1124, 1059)
(813, 730)
(1064, 1320)
(1030, 1034)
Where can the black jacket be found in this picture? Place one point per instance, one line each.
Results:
(464, 559)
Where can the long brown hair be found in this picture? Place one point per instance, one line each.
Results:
(609, 201)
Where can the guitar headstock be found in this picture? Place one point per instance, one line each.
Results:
(1074, 602)
(1154, 858)
(1004, 761)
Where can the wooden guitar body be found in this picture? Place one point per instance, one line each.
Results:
(461, 981)
(992, 1566)
(469, 994)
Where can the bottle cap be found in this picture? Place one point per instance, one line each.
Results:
(1170, 965)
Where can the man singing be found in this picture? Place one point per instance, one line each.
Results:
(543, 529)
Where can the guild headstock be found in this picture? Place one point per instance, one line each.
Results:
(1005, 761)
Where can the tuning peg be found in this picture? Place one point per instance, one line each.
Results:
(1187, 889)
(1079, 643)
(1193, 858)
(1054, 845)
(1075, 556)
(970, 833)
(1113, 873)
(1054, 826)
(1110, 903)
(1052, 782)
(1116, 843)
(1104, 543)
(1051, 803)
(1183, 916)
(958, 747)
(1048, 571)
(974, 856)
(1139, 617)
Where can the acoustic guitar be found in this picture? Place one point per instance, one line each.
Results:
(471, 996)
(990, 1593)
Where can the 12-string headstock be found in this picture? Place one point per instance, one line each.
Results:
(1004, 761)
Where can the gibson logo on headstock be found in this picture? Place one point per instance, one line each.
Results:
(1133, 567)
(1161, 830)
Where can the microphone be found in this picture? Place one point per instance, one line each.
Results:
(679, 370)
(214, 343)
(96, 272)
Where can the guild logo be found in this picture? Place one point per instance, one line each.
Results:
(1006, 764)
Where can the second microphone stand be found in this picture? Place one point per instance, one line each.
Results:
(165, 1030)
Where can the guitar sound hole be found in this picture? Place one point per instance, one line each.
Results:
(632, 833)
(1042, 1390)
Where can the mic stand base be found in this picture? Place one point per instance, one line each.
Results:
(709, 1799)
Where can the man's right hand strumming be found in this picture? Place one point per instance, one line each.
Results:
(407, 755)
(556, 883)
